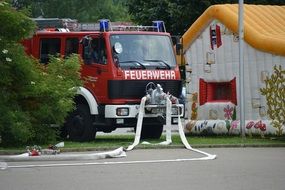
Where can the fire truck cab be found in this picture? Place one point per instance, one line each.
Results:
(118, 63)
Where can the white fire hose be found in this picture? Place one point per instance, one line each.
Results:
(168, 141)
(117, 152)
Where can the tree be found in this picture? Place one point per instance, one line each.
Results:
(178, 15)
(33, 96)
(84, 10)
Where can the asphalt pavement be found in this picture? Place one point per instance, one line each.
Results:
(234, 169)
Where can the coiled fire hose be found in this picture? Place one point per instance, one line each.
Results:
(168, 141)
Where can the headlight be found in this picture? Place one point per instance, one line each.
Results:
(122, 111)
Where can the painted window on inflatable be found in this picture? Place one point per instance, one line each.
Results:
(217, 91)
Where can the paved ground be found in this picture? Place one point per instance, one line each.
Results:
(234, 169)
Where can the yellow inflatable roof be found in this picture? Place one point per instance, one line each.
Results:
(264, 25)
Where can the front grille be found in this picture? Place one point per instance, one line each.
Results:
(135, 89)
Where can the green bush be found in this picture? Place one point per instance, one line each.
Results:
(33, 96)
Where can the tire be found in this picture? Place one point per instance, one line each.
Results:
(151, 131)
(79, 124)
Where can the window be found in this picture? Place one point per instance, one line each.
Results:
(217, 91)
(49, 46)
(144, 51)
(94, 51)
(71, 46)
(99, 51)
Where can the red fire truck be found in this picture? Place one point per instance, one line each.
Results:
(117, 64)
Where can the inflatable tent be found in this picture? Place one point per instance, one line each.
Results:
(211, 53)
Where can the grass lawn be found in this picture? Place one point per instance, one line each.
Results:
(105, 142)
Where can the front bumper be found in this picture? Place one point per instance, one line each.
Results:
(151, 111)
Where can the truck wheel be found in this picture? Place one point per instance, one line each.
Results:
(79, 124)
(151, 131)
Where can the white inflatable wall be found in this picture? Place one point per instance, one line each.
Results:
(257, 66)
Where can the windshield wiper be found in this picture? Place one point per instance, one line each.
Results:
(159, 61)
(137, 63)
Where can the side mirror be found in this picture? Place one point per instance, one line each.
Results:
(117, 49)
(179, 48)
(177, 43)
(87, 53)
(85, 41)
(87, 50)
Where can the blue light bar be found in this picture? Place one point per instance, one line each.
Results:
(104, 25)
(159, 26)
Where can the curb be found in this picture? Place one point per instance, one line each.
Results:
(86, 149)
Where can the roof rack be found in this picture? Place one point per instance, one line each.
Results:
(67, 23)
(103, 25)
(106, 25)
(96, 27)
(133, 28)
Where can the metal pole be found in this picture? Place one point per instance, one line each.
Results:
(241, 68)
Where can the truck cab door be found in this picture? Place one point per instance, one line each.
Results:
(95, 68)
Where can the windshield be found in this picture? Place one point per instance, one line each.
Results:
(143, 51)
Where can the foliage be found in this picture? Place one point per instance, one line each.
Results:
(274, 92)
(178, 15)
(33, 96)
(18, 25)
(84, 10)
